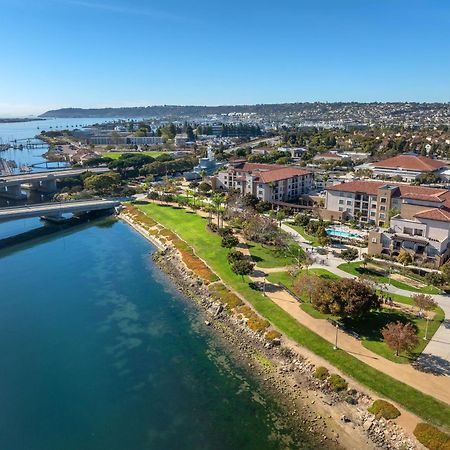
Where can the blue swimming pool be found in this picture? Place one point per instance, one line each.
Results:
(340, 233)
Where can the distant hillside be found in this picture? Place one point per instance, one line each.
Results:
(341, 112)
(177, 111)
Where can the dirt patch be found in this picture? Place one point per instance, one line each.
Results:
(414, 283)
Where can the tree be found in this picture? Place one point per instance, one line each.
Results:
(400, 336)
(345, 297)
(424, 303)
(306, 285)
(404, 257)
(204, 187)
(230, 241)
(242, 267)
(366, 259)
(349, 254)
(445, 269)
(435, 278)
(235, 255)
(217, 200)
(281, 215)
(102, 183)
(301, 220)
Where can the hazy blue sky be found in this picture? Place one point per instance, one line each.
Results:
(90, 53)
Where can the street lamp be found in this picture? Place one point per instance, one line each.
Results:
(426, 330)
(335, 346)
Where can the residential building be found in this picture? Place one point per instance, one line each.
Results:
(125, 140)
(181, 139)
(268, 182)
(409, 167)
(420, 221)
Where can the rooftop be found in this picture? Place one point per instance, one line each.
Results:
(410, 162)
(399, 190)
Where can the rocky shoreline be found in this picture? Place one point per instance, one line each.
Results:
(311, 405)
(334, 419)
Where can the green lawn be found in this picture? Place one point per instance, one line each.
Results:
(267, 256)
(309, 237)
(357, 269)
(116, 155)
(285, 278)
(369, 329)
(192, 228)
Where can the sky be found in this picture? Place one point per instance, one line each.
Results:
(106, 53)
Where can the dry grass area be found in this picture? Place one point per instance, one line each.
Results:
(411, 281)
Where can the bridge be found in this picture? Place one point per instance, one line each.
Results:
(54, 211)
(11, 185)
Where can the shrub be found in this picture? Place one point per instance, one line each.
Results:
(321, 373)
(213, 227)
(272, 334)
(350, 400)
(337, 383)
(226, 231)
(235, 255)
(384, 409)
(229, 241)
(431, 437)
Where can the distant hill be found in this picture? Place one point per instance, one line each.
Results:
(177, 111)
(347, 112)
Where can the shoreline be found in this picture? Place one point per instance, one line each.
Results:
(284, 371)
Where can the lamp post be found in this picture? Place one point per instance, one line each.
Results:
(335, 346)
(426, 330)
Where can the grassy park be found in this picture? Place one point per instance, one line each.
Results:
(267, 256)
(358, 269)
(192, 228)
(117, 155)
(309, 237)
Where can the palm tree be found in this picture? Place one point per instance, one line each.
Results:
(217, 200)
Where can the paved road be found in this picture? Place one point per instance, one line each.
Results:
(50, 174)
(54, 208)
(436, 355)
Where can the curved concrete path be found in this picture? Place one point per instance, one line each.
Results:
(436, 355)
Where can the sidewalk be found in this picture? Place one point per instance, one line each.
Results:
(436, 355)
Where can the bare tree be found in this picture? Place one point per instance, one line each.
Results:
(400, 336)
(424, 303)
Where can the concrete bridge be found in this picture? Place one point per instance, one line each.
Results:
(54, 211)
(45, 182)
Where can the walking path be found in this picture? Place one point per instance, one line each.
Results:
(434, 385)
(436, 355)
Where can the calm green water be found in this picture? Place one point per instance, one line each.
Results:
(99, 352)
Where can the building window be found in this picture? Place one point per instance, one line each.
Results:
(349, 202)
(374, 240)
(381, 216)
(383, 200)
(382, 208)
(418, 232)
(372, 213)
(341, 202)
(407, 230)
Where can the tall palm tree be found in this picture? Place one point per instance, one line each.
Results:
(217, 200)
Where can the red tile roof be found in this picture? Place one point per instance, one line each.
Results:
(439, 214)
(268, 173)
(282, 174)
(410, 162)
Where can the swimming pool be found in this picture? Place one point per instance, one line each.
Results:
(344, 234)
